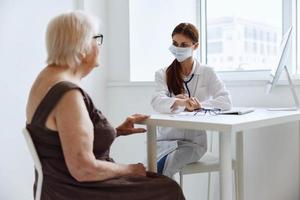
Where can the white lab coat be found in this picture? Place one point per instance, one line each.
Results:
(210, 91)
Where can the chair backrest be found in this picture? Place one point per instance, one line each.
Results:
(37, 163)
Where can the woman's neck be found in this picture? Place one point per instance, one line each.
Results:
(187, 66)
(69, 73)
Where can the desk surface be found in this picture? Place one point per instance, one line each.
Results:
(225, 123)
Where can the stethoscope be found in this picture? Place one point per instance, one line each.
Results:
(186, 86)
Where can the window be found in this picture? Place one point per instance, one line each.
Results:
(248, 32)
(261, 35)
(298, 38)
(262, 49)
(151, 26)
(258, 31)
(214, 47)
(254, 48)
(214, 33)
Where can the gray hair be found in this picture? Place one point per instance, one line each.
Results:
(68, 37)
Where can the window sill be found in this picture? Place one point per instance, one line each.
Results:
(152, 84)
(241, 83)
(230, 78)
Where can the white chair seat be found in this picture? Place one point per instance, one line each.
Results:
(208, 163)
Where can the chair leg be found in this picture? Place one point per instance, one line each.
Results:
(180, 179)
(236, 178)
(240, 165)
(208, 185)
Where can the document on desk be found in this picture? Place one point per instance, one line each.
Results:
(183, 114)
(237, 111)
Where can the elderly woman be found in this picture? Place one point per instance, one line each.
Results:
(71, 136)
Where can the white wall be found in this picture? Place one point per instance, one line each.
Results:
(23, 55)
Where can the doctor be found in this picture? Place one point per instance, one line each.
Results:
(185, 85)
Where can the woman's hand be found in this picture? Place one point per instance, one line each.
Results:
(127, 127)
(182, 96)
(190, 104)
(180, 100)
(135, 170)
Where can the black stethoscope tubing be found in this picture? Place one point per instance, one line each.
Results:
(186, 82)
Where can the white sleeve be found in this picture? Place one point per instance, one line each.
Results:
(161, 100)
(220, 97)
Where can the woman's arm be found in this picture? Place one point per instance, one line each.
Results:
(217, 90)
(190, 104)
(161, 101)
(76, 133)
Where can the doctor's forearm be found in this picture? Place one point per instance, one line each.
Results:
(222, 103)
(178, 102)
(163, 104)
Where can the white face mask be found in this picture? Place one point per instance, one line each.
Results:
(181, 53)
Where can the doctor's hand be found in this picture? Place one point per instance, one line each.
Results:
(182, 96)
(180, 100)
(127, 127)
(192, 104)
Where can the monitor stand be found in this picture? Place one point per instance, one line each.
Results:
(292, 87)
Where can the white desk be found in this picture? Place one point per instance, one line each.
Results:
(226, 125)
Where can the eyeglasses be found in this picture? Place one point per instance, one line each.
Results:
(99, 39)
(211, 111)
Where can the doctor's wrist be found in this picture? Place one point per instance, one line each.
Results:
(179, 102)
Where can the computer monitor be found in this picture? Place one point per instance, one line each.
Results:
(280, 66)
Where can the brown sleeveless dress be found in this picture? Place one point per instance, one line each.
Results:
(58, 184)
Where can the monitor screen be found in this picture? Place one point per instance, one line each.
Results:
(280, 62)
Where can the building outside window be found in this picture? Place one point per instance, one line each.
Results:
(298, 37)
(257, 31)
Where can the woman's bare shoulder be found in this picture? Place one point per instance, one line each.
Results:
(41, 85)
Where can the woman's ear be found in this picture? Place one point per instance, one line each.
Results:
(82, 57)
